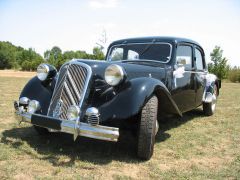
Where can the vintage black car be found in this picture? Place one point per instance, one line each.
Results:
(141, 81)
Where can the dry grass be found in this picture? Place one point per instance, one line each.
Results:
(13, 73)
(194, 147)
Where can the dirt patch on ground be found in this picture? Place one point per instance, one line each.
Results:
(13, 73)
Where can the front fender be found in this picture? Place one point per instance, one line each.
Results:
(134, 94)
(36, 90)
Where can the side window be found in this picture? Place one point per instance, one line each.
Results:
(132, 55)
(199, 60)
(184, 56)
(117, 54)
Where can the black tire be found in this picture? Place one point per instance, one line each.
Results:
(209, 108)
(147, 129)
(41, 131)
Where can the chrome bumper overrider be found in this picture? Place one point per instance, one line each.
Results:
(71, 127)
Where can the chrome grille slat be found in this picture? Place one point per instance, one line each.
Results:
(58, 87)
(69, 94)
(79, 82)
(70, 88)
(73, 85)
(81, 85)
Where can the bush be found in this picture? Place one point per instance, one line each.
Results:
(234, 74)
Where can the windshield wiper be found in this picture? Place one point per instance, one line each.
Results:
(147, 48)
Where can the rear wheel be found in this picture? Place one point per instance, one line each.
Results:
(148, 129)
(209, 108)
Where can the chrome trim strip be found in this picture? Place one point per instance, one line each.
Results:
(170, 54)
(196, 72)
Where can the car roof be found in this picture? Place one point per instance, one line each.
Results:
(168, 39)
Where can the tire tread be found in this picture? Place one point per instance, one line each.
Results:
(147, 127)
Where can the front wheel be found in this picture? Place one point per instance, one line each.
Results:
(209, 108)
(148, 129)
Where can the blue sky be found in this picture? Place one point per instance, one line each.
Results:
(77, 25)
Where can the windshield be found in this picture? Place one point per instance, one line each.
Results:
(145, 51)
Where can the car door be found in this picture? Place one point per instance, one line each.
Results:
(201, 72)
(183, 85)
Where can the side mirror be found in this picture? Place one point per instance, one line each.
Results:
(181, 62)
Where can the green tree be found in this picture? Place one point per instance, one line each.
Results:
(98, 53)
(17, 57)
(12, 56)
(219, 65)
(54, 57)
(29, 59)
(7, 55)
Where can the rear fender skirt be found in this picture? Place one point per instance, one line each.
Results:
(133, 95)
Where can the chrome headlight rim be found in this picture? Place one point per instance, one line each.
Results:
(42, 76)
(114, 78)
(73, 113)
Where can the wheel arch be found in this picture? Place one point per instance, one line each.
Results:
(166, 105)
(132, 97)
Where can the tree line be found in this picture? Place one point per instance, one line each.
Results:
(220, 67)
(16, 57)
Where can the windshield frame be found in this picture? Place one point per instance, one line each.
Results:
(146, 43)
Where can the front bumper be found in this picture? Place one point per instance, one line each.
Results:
(71, 127)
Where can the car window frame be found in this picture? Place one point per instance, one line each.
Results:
(158, 42)
(193, 55)
(203, 59)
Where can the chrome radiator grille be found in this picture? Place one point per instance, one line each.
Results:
(70, 89)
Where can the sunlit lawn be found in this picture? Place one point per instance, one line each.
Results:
(194, 147)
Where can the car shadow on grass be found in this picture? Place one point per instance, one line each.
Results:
(173, 122)
(52, 147)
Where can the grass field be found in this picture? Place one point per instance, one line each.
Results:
(193, 147)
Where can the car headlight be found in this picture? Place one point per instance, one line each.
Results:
(114, 74)
(46, 71)
(42, 72)
(73, 113)
(33, 106)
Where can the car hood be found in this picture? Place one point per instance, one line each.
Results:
(133, 70)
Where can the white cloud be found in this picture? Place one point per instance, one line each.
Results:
(97, 4)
